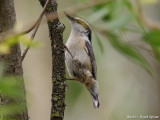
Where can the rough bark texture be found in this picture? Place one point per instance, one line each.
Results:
(58, 61)
(12, 61)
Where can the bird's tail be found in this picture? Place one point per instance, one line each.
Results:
(94, 93)
(96, 102)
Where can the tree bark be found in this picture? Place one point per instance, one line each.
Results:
(12, 61)
(58, 61)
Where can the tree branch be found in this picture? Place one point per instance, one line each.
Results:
(12, 60)
(37, 21)
(58, 61)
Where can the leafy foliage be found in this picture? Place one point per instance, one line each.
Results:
(10, 41)
(114, 18)
(153, 39)
(129, 51)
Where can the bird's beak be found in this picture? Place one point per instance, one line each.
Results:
(69, 17)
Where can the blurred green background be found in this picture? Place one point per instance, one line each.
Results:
(125, 88)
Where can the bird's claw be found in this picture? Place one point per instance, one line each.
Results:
(76, 60)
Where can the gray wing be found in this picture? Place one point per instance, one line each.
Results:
(92, 58)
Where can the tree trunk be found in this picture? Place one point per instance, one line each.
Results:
(58, 61)
(12, 61)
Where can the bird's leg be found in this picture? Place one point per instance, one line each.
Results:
(75, 59)
(65, 47)
(69, 79)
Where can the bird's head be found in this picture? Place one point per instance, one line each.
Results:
(80, 26)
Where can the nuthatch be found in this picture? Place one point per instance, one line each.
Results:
(80, 60)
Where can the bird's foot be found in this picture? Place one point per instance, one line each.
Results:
(77, 63)
(65, 47)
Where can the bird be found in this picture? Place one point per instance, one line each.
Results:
(79, 57)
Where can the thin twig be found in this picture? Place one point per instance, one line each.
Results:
(77, 8)
(38, 20)
(72, 11)
(150, 52)
(27, 47)
(149, 24)
(36, 26)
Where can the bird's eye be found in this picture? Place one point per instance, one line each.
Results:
(84, 32)
(87, 32)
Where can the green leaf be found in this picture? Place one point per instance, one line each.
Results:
(128, 4)
(153, 38)
(98, 15)
(12, 40)
(7, 43)
(102, 5)
(129, 51)
(99, 41)
(102, 11)
(120, 22)
(28, 41)
(118, 8)
(157, 53)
